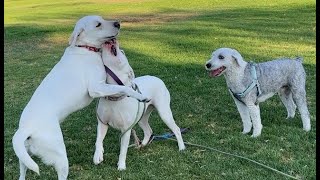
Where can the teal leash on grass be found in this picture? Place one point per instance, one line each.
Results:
(184, 130)
(238, 156)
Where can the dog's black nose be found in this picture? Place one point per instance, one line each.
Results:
(116, 24)
(208, 65)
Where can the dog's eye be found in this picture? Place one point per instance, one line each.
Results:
(98, 25)
(122, 52)
(221, 57)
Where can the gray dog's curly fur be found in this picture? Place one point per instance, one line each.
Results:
(286, 77)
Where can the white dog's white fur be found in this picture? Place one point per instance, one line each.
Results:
(121, 114)
(283, 76)
(71, 85)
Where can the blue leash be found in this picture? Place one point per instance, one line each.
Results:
(167, 135)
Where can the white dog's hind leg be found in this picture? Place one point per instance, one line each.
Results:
(101, 133)
(166, 115)
(62, 167)
(54, 153)
(144, 124)
(49, 145)
(125, 139)
(23, 171)
(285, 95)
(254, 111)
(58, 157)
(245, 116)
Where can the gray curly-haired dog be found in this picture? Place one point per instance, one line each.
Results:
(249, 84)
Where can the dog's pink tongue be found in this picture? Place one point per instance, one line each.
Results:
(108, 45)
(214, 73)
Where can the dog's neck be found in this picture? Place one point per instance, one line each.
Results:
(84, 43)
(117, 62)
(234, 76)
(125, 74)
(90, 48)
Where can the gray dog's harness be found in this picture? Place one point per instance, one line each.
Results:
(255, 83)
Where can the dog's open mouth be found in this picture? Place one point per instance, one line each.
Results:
(217, 72)
(111, 43)
(112, 37)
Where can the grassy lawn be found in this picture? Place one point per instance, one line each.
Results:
(171, 40)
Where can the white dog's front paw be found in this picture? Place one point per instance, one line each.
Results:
(146, 100)
(98, 157)
(121, 166)
(141, 97)
(182, 147)
(307, 127)
(290, 116)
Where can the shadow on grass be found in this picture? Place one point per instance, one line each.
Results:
(197, 100)
(287, 23)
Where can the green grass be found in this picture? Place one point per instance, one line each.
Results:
(171, 40)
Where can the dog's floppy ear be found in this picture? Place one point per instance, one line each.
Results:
(74, 36)
(238, 58)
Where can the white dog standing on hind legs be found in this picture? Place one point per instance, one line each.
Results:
(71, 85)
(249, 84)
(120, 112)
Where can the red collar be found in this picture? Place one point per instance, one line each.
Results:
(90, 48)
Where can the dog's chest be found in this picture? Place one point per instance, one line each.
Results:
(121, 114)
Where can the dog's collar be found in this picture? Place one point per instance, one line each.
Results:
(90, 48)
(255, 83)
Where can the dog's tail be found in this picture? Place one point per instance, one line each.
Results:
(299, 59)
(19, 148)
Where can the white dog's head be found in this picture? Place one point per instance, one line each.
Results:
(224, 59)
(115, 58)
(93, 31)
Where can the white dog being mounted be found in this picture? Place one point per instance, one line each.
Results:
(122, 112)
